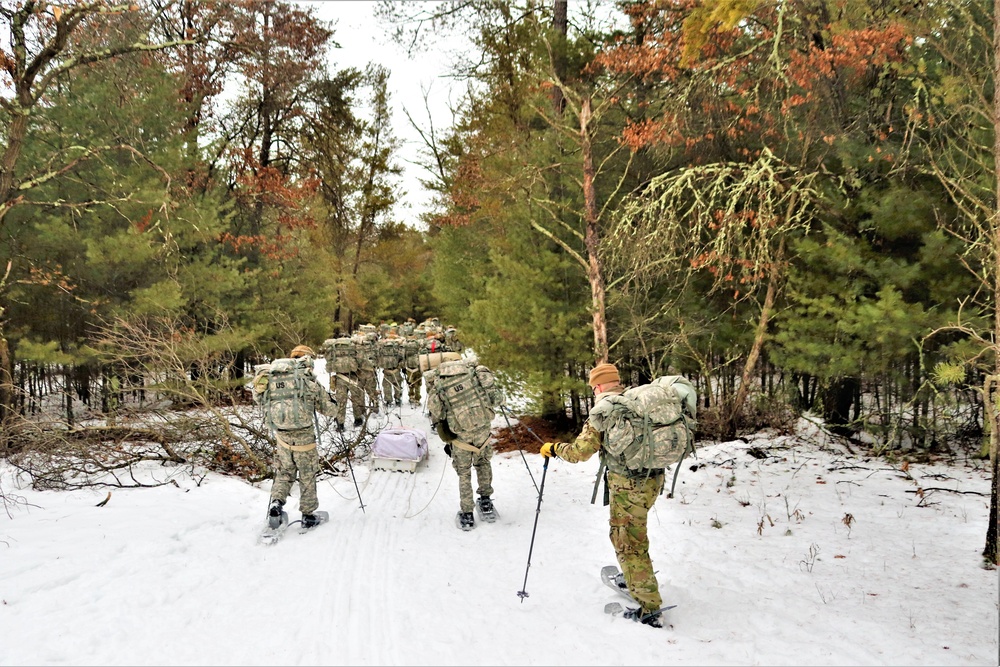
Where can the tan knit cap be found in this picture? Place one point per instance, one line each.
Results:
(302, 351)
(604, 374)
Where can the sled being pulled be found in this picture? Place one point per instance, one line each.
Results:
(399, 449)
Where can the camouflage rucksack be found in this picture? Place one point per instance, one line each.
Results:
(466, 396)
(650, 427)
(340, 354)
(279, 388)
(411, 354)
(389, 353)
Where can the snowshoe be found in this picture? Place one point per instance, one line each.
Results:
(653, 619)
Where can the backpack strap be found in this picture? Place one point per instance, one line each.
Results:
(688, 448)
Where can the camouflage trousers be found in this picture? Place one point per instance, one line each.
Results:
(342, 390)
(413, 380)
(369, 382)
(305, 465)
(392, 386)
(463, 461)
(631, 500)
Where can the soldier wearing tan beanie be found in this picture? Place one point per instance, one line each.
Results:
(604, 374)
(630, 496)
(301, 351)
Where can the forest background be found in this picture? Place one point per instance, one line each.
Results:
(793, 204)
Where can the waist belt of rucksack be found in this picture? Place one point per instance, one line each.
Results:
(643, 474)
(640, 474)
(461, 444)
(294, 448)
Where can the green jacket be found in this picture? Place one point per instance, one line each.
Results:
(591, 438)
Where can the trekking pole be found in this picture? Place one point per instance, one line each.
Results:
(347, 457)
(503, 408)
(524, 593)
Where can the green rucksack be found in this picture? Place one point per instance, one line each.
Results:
(389, 353)
(650, 427)
(411, 354)
(280, 389)
(467, 394)
(340, 354)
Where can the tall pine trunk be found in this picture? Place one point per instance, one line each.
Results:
(991, 552)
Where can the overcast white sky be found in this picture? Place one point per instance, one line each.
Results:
(365, 41)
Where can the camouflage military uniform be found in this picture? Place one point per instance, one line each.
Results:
(463, 459)
(411, 368)
(343, 383)
(296, 452)
(470, 448)
(390, 358)
(631, 496)
(367, 377)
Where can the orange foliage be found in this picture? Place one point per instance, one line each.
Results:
(465, 194)
(663, 54)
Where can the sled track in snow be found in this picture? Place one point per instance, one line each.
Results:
(376, 541)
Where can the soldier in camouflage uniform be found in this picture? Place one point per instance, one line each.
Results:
(390, 359)
(468, 447)
(631, 496)
(364, 341)
(411, 368)
(407, 327)
(342, 363)
(451, 340)
(296, 451)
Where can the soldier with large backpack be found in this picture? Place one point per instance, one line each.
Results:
(290, 396)
(364, 345)
(638, 432)
(390, 360)
(342, 364)
(462, 396)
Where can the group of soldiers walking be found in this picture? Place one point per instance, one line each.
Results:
(394, 350)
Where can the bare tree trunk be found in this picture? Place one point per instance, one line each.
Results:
(6, 383)
(592, 238)
(992, 550)
(560, 25)
(992, 417)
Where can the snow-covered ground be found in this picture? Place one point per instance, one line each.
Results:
(807, 556)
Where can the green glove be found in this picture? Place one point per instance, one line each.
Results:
(548, 450)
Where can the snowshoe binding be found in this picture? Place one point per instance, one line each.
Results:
(310, 521)
(486, 510)
(465, 521)
(274, 512)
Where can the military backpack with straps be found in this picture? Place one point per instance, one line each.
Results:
(469, 393)
(280, 389)
(341, 355)
(389, 353)
(649, 427)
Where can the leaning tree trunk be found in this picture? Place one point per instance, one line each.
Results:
(736, 407)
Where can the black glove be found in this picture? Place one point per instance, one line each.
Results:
(447, 450)
(444, 432)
